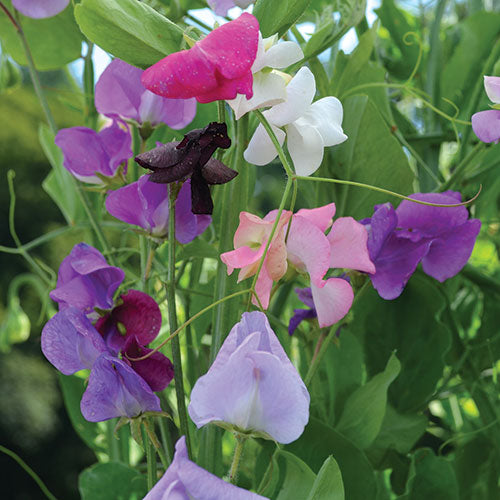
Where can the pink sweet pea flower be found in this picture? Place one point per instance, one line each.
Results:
(215, 68)
(308, 250)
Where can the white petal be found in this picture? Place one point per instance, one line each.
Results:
(261, 150)
(260, 58)
(326, 115)
(305, 146)
(299, 95)
(492, 87)
(283, 54)
(268, 89)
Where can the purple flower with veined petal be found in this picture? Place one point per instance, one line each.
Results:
(486, 124)
(90, 155)
(85, 280)
(120, 93)
(441, 238)
(40, 9)
(184, 480)
(145, 204)
(221, 7)
(243, 389)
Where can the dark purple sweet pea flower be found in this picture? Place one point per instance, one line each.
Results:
(38, 9)
(145, 204)
(184, 480)
(120, 93)
(131, 325)
(91, 156)
(85, 280)
(486, 124)
(299, 315)
(243, 389)
(441, 238)
(192, 158)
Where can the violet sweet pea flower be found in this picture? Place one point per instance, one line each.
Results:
(215, 68)
(184, 480)
(92, 156)
(85, 280)
(486, 124)
(221, 7)
(40, 9)
(145, 204)
(120, 93)
(243, 389)
(441, 238)
(299, 315)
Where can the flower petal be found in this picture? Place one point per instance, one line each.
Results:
(332, 301)
(320, 217)
(305, 146)
(215, 172)
(241, 258)
(260, 149)
(300, 315)
(40, 10)
(486, 125)
(492, 88)
(326, 115)
(282, 55)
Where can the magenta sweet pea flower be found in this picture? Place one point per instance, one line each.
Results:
(85, 280)
(38, 9)
(184, 480)
(244, 387)
(215, 68)
(90, 155)
(439, 237)
(120, 93)
(221, 7)
(486, 124)
(145, 203)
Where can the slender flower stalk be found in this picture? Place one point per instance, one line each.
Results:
(238, 451)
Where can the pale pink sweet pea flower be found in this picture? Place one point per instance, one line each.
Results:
(309, 127)
(486, 124)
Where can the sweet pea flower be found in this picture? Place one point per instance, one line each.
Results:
(192, 158)
(215, 68)
(38, 9)
(184, 480)
(86, 281)
(441, 238)
(71, 343)
(269, 87)
(486, 124)
(309, 127)
(145, 203)
(119, 93)
(221, 7)
(308, 250)
(243, 389)
(91, 156)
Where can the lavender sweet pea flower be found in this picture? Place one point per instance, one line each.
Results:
(486, 124)
(120, 93)
(184, 480)
(145, 204)
(221, 7)
(243, 389)
(85, 280)
(441, 238)
(38, 9)
(88, 153)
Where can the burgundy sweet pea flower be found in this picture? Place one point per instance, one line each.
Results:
(215, 68)
(486, 124)
(38, 9)
(131, 325)
(191, 158)
(244, 387)
(221, 7)
(184, 480)
(441, 238)
(120, 93)
(145, 204)
(91, 156)
(86, 281)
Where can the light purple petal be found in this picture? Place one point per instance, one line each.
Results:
(486, 125)
(492, 88)
(116, 390)
(117, 143)
(70, 342)
(176, 113)
(40, 9)
(85, 280)
(449, 254)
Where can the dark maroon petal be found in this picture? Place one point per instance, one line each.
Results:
(201, 199)
(215, 172)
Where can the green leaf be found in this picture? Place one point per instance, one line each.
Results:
(59, 184)
(276, 16)
(365, 409)
(296, 477)
(53, 42)
(128, 29)
(10, 74)
(197, 249)
(112, 480)
(328, 484)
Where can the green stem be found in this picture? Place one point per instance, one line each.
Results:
(240, 443)
(150, 458)
(172, 319)
(38, 241)
(149, 426)
(166, 439)
(30, 471)
(112, 442)
(88, 88)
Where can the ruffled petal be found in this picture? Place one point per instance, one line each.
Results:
(321, 217)
(492, 88)
(241, 258)
(260, 149)
(332, 301)
(282, 55)
(305, 146)
(486, 125)
(326, 115)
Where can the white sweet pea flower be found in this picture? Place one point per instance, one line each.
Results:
(269, 86)
(309, 127)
